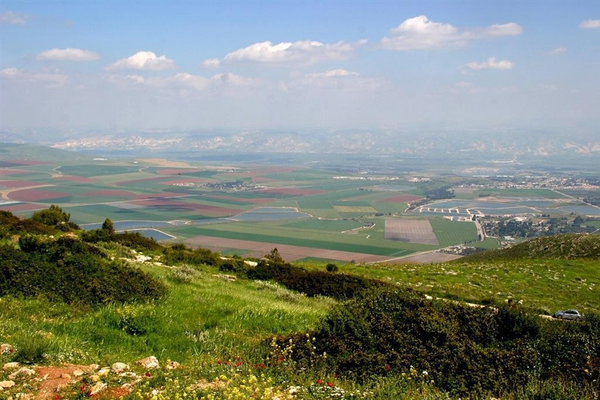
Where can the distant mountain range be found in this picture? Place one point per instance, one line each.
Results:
(505, 144)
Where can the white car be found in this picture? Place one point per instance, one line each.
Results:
(567, 314)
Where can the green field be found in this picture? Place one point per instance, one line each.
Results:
(451, 233)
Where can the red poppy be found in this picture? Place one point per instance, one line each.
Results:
(388, 367)
(319, 382)
(82, 389)
(330, 384)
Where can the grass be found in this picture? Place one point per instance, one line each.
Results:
(208, 317)
(543, 285)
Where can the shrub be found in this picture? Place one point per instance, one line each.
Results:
(331, 268)
(180, 254)
(31, 348)
(466, 350)
(74, 272)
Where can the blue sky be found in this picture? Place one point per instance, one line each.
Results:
(288, 64)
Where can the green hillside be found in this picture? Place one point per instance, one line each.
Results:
(565, 247)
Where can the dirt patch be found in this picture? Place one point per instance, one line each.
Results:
(428, 258)
(410, 230)
(22, 207)
(18, 184)
(31, 194)
(6, 172)
(404, 198)
(55, 378)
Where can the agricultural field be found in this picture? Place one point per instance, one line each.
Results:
(312, 211)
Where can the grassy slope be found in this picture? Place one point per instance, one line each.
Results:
(551, 247)
(209, 317)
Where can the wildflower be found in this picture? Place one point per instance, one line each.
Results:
(319, 382)
(388, 367)
(330, 384)
(82, 389)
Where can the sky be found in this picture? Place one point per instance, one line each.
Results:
(151, 65)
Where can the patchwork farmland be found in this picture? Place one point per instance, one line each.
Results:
(305, 213)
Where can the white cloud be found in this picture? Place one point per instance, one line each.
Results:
(182, 82)
(499, 30)
(54, 79)
(557, 51)
(303, 52)
(68, 54)
(144, 60)
(212, 63)
(13, 18)
(334, 73)
(490, 63)
(590, 24)
(421, 33)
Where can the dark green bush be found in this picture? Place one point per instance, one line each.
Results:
(466, 350)
(17, 226)
(74, 272)
(331, 268)
(180, 254)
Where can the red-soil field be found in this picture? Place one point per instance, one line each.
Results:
(22, 207)
(175, 205)
(176, 171)
(28, 162)
(18, 184)
(404, 198)
(5, 172)
(243, 200)
(35, 195)
(293, 191)
(78, 179)
(111, 193)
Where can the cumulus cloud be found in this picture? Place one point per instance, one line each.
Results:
(590, 24)
(68, 54)
(420, 33)
(303, 52)
(334, 73)
(53, 79)
(490, 63)
(144, 60)
(182, 82)
(557, 51)
(13, 18)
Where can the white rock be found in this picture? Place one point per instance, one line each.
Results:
(149, 362)
(22, 371)
(6, 384)
(103, 372)
(77, 373)
(5, 348)
(10, 365)
(173, 365)
(119, 367)
(97, 388)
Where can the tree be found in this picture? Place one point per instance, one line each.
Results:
(52, 216)
(108, 226)
(331, 268)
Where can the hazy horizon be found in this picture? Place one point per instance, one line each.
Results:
(305, 65)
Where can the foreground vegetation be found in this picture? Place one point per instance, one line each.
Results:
(267, 329)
